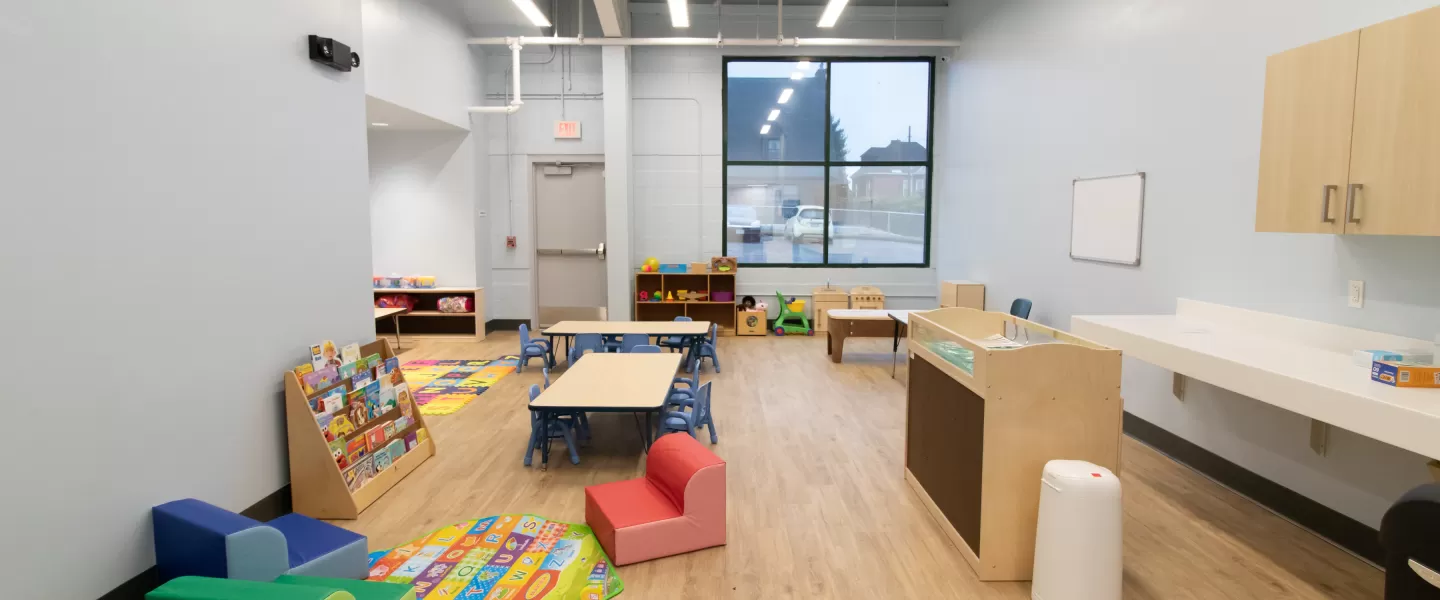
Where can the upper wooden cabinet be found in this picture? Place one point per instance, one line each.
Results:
(1352, 133)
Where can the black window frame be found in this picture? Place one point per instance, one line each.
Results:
(827, 165)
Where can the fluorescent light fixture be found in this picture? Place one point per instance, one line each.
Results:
(831, 14)
(765, 130)
(804, 64)
(774, 114)
(797, 75)
(785, 95)
(380, 124)
(538, 19)
(679, 13)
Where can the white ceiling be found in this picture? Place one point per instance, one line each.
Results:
(399, 118)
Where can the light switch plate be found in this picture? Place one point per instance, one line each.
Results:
(1357, 294)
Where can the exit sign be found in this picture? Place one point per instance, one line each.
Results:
(568, 130)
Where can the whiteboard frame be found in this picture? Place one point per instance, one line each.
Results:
(1140, 226)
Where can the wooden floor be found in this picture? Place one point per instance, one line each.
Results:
(818, 507)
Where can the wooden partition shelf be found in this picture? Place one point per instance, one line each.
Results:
(721, 312)
(426, 319)
(982, 419)
(317, 485)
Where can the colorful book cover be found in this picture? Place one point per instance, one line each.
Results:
(383, 377)
(323, 420)
(372, 400)
(340, 426)
(402, 423)
(332, 401)
(324, 355)
(403, 398)
(389, 428)
(411, 441)
(395, 449)
(337, 451)
(300, 373)
(421, 435)
(350, 353)
(387, 396)
(356, 449)
(349, 370)
(361, 380)
(382, 460)
(375, 438)
(321, 379)
(367, 467)
(392, 368)
(357, 411)
(352, 478)
(372, 361)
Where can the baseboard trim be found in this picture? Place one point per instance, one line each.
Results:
(275, 505)
(494, 325)
(1347, 533)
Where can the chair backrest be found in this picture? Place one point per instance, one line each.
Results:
(1020, 308)
(672, 461)
(534, 391)
(714, 330)
(683, 318)
(646, 349)
(629, 341)
(593, 342)
(675, 339)
(524, 334)
(546, 372)
(702, 402)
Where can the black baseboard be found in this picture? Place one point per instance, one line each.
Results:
(275, 505)
(505, 324)
(1341, 530)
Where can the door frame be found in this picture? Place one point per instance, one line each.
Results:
(540, 160)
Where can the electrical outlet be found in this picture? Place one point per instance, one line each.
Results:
(1357, 294)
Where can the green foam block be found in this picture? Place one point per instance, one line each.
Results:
(206, 588)
(362, 590)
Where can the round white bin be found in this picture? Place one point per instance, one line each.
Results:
(1077, 536)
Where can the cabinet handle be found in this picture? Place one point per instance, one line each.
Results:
(1350, 202)
(1325, 202)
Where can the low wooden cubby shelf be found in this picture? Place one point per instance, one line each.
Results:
(721, 313)
(426, 320)
(982, 421)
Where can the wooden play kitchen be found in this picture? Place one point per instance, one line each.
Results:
(317, 484)
(700, 296)
(991, 399)
(822, 300)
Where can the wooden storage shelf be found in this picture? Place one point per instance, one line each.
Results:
(720, 313)
(979, 432)
(417, 322)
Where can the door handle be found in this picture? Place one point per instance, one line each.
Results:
(1325, 202)
(1350, 202)
(599, 252)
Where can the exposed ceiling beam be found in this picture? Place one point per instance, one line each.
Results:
(614, 17)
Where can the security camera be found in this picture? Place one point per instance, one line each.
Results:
(944, 59)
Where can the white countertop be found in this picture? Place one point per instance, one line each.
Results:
(1280, 361)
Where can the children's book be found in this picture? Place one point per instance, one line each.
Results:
(367, 469)
(350, 353)
(411, 441)
(337, 450)
(319, 380)
(375, 438)
(389, 428)
(323, 420)
(403, 398)
(332, 401)
(352, 478)
(372, 400)
(357, 411)
(356, 449)
(300, 373)
(395, 449)
(402, 423)
(324, 354)
(392, 368)
(372, 361)
(340, 426)
(349, 370)
(382, 460)
(421, 435)
(361, 380)
(387, 396)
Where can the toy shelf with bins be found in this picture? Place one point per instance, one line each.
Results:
(426, 320)
(721, 313)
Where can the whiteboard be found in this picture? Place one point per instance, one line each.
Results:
(1106, 214)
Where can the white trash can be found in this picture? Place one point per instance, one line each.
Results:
(1077, 536)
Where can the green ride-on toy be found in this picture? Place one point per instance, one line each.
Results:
(786, 323)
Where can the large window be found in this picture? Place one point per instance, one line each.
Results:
(828, 161)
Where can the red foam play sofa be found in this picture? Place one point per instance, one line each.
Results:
(677, 507)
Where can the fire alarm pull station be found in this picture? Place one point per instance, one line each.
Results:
(510, 242)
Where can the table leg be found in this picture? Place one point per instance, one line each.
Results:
(567, 349)
(649, 431)
(837, 333)
(895, 351)
(552, 350)
(544, 440)
(396, 319)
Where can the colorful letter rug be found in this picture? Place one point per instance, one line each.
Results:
(442, 387)
(505, 557)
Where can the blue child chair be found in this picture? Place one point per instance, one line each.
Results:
(592, 342)
(629, 341)
(1020, 308)
(675, 342)
(689, 421)
(707, 350)
(561, 427)
(534, 348)
(646, 349)
(681, 397)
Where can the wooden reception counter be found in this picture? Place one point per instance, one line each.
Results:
(992, 398)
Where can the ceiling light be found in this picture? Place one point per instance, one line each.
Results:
(679, 14)
(785, 95)
(380, 124)
(774, 114)
(832, 13)
(797, 75)
(538, 19)
(804, 64)
(765, 130)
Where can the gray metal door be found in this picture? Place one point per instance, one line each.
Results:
(570, 242)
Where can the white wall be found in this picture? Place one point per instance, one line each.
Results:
(423, 204)
(1044, 91)
(416, 57)
(183, 224)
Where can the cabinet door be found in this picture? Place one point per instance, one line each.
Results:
(1395, 157)
(1305, 142)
